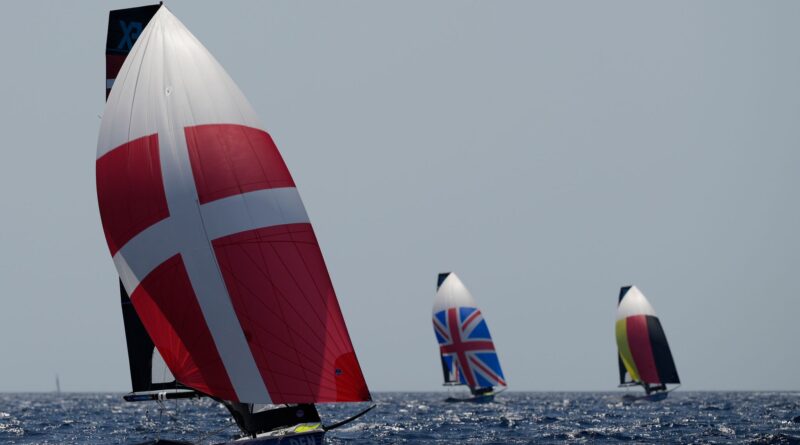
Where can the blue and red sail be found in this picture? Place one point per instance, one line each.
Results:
(467, 352)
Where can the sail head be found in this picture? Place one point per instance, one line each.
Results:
(466, 349)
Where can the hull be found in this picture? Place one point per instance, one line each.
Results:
(655, 397)
(311, 438)
(483, 398)
(165, 442)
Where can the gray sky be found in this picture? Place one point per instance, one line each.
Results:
(546, 152)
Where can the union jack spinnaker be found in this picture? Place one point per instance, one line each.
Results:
(466, 349)
(207, 230)
(643, 355)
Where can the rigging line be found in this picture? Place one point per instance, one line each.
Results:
(177, 414)
(160, 416)
(212, 433)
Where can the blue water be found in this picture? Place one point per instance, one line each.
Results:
(408, 418)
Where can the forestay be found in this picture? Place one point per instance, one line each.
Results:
(209, 235)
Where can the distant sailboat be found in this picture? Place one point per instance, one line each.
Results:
(643, 353)
(466, 349)
(58, 385)
(224, 290)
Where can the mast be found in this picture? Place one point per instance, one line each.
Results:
(146, 365)
(466, 349)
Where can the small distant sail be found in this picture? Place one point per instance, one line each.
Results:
(644, 356)
(208, 232)
(467, 352)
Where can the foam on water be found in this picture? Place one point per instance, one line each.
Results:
(408, 418)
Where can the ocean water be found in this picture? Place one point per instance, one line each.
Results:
(410, 418)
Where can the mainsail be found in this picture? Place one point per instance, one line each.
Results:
(124, 27)
(644, 356)
(465, 345)
(207, 230)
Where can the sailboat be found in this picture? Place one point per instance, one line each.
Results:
(224, 290)
(465, 346)
(643, 353)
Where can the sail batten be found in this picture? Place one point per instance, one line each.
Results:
(466, 350)
(642, 349)
(210, 236)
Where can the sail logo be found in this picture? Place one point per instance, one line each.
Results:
(130, 32)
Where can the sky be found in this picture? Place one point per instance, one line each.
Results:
(547, 152)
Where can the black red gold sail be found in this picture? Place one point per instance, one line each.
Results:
(643, 351)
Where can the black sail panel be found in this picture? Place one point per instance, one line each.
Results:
(662, 355)
(622, 291)
(440, 280)
(124, 27)
(622, 371)
(141, 350)
(446, 368)
(140, 347)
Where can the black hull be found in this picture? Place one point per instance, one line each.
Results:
(655, 397)
(311, 438)
(483, 398)
(165, 442)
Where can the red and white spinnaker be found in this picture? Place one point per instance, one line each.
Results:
(209, 234)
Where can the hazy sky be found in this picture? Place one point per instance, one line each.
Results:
(546, 152)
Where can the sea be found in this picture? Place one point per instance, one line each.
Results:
(424, 418)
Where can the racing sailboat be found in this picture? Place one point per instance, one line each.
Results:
(643, 353)
(224, 290)
(466, 349)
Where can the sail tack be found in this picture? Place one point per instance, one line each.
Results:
(643, 352)
(466, 349)
(209, 234)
